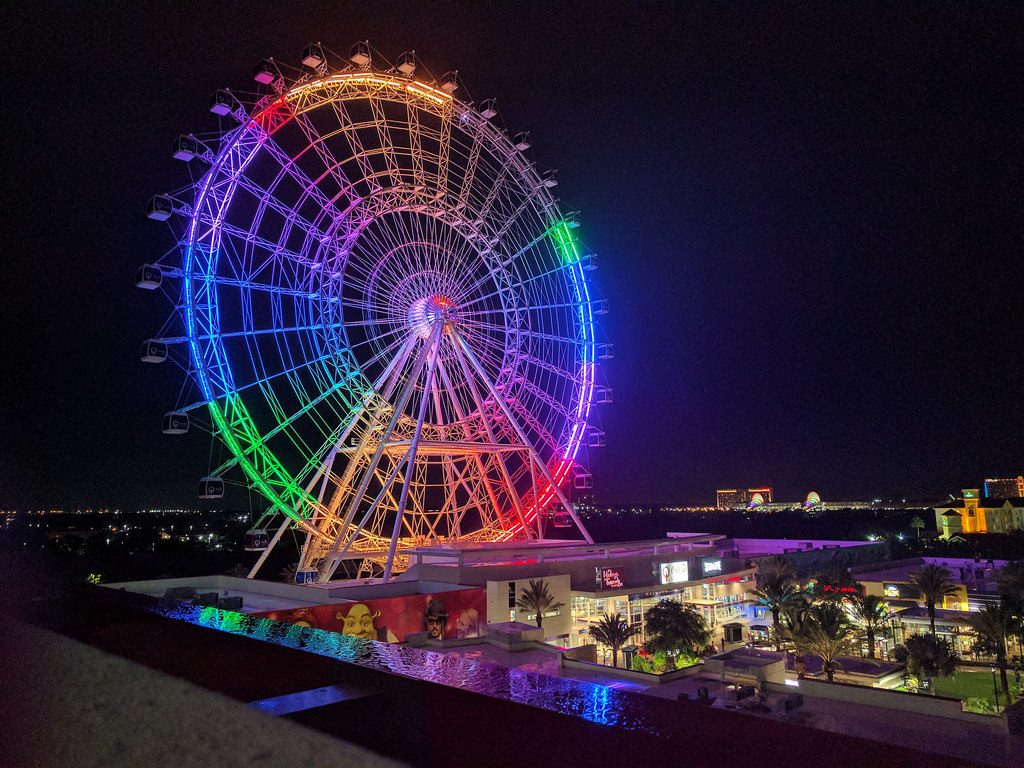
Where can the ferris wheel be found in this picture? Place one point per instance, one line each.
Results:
(383, 313)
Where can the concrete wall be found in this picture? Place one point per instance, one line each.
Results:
(219, 583)
(937, 706)
(560, 588)
(629, 674)
(774, 672)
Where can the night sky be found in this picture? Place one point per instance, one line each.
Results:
(808, 224)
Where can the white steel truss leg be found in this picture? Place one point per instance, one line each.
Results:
(541, 465)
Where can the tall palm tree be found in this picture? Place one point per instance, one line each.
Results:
(873, 612)
(775, 568)
(614, 632)
(934, 583)
(535, 598)
(994, 625)
(917, 524)
(824, 630)
(778, 595)
(1011, 587)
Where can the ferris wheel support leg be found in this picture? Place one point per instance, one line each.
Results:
(475, 392)
(543, 467)
(334, 557)
(270, 547)
(485, 481)
(388, 381)
(414, 445)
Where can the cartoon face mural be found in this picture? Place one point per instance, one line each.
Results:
(457, 613)
(359, 622)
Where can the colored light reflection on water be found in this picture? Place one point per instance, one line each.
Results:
(596, 703)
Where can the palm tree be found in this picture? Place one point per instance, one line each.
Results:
(1011, 587)
(238, 571)
(873, 613)
(778, 595)
(287, 574)
(613, 631)
(928, 655)
(934, 583)
(917, 524)
(823, 630)
(994, 624)
(535, 598)
(775, 568)
(673, 627)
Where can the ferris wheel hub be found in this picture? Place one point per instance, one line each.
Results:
(427, 312)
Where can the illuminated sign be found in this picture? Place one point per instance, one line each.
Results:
(839, 589)
(610, 578)
(891, 590)
(710, 566)
(673, 573)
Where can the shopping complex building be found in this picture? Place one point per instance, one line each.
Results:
(455, 591)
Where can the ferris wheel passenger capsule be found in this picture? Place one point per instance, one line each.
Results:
(602, 395)
(487, 109)
(604, 352)
(588, 262)
(583, 480)
(361, 54)
(223, 103)
(407, 63)
(313, 55)
(450, 81)
(160, 208)
(175, 423)
(185, 148)
(265, 72)
(256, 540)
(211, 488)
(596, 439)
(153, 351)
(148, 277)
(549, 179)
(521, 141)
(600, 307)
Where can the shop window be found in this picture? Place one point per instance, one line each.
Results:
(512, 595)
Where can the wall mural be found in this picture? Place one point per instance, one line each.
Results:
(442, 615)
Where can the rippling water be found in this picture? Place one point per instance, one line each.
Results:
(597, 703)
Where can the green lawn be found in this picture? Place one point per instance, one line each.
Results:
(972, 685)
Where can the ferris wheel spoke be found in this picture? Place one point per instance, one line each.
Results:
(541, 465)
(267, 199)
(330, 162)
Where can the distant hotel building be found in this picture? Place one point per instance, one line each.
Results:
(1005, 488)
(743, 497)
(973, 513)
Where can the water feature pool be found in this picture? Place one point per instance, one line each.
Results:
(590, 701)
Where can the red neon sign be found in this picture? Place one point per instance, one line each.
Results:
(611, 578)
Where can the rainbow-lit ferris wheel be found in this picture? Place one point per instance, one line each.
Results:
(383, 313)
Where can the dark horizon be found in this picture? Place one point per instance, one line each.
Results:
(808, 225)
